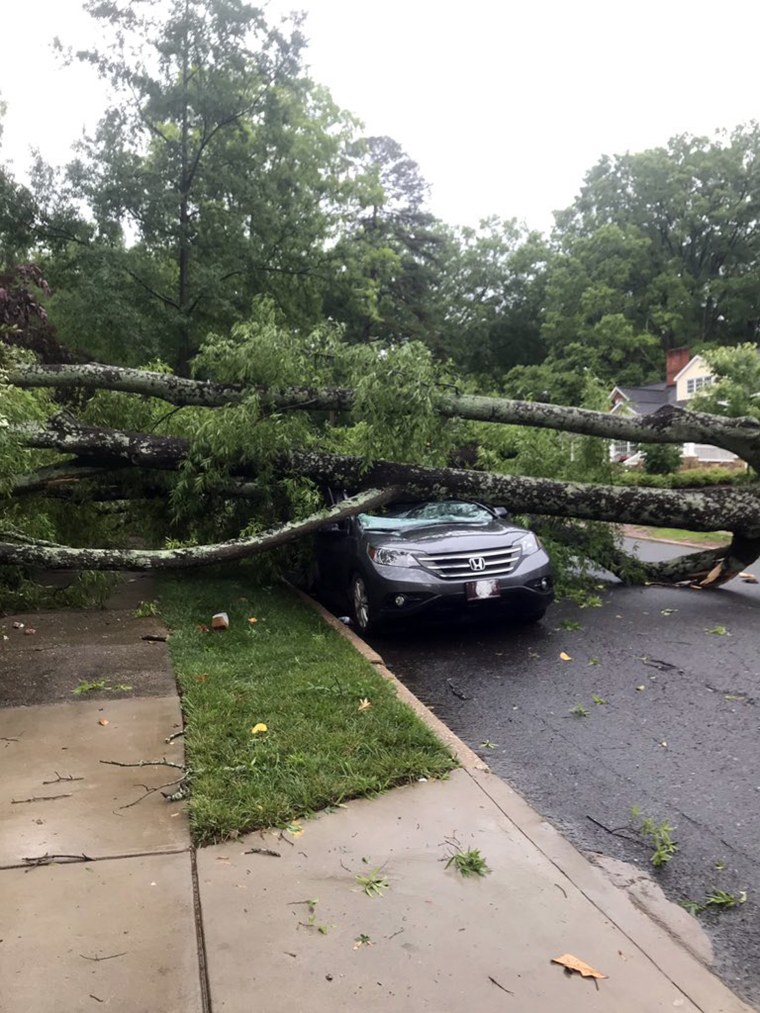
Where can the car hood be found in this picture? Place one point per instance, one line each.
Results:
(448, 537)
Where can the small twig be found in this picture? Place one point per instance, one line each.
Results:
(110, 956)
(48, 859)
(64, 777)
(499, 985)
(396, 933)
(457, 692)
(661, 666)
(38, 798)
(617, 832)
(8, 739)
(151, 791)
(155, 638)
(144, 763)
(174, 735)
(262, 851)
(96, 998)
(561, 890)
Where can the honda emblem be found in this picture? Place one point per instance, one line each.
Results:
(477, 563)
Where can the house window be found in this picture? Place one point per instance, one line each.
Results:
(696, 383)
(622, 451)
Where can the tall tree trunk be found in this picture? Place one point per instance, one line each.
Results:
(183, 287)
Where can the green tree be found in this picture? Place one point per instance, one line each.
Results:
(669, 239)
(492, 291)
(736, 387)
(211, 179)
(388, 258)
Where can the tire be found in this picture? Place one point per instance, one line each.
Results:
(362, 607)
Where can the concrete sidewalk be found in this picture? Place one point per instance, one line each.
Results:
(104, 904)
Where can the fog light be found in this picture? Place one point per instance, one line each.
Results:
(544, 584)
(399, 600)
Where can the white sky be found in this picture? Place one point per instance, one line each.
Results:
(505, 104)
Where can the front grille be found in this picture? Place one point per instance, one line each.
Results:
(456, 565)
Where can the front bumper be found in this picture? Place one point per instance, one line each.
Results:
(401, 591)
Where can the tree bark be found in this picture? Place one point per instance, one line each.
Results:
(64, 557)
(735, 509)
(667, 425)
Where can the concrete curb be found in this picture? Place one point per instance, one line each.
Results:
(462, 752)
(654, 926)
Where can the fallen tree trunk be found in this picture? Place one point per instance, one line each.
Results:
(64, 557)
(669, 424)
(735, 509)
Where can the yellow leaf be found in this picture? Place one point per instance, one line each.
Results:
(252, 619)
(259, 728)
(565, 657)
(572, 963)
(104, 722)
(364, 704)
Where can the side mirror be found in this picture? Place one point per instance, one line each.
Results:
(501, 511)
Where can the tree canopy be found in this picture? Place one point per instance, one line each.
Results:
(300, 317)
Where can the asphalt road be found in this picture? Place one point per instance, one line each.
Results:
(676, 734)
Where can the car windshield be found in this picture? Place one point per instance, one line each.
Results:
(398, 516)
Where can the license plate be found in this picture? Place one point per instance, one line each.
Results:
(476, 590)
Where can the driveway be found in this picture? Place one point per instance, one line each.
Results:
(669, 681)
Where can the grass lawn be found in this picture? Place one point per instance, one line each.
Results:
(334, 727)
(707, 538)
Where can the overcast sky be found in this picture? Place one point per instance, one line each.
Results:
(505, 104)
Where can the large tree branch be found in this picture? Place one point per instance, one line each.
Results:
(64, 557)
(667, 425)
(734, 509)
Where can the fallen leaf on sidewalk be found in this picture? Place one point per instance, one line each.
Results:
(29, 631)
(571, 963)
(748, 578)
(564, 656)
(104, 722)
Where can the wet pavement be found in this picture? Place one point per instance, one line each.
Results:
(657, 708)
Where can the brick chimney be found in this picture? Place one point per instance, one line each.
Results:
(676, 359)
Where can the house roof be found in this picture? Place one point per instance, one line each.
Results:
(647, 399)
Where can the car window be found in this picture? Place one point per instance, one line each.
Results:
(406, 515)
(450, 510)
(370, 522)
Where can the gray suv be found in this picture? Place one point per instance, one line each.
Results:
(415, 558)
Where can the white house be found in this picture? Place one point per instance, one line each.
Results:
(684, 376)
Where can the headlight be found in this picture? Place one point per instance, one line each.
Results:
(390, 557)
(528, 543)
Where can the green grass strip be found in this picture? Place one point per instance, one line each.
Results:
(699, 537)
(292, 673)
